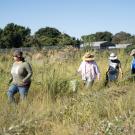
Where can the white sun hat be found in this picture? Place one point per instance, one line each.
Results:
(113, 56)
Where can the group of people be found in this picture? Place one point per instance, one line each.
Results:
(21, 72)
(89, 69)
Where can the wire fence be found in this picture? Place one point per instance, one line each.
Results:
(31, 49)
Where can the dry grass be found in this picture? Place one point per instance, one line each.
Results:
(53, 109)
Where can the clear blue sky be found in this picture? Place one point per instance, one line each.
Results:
(74, 17)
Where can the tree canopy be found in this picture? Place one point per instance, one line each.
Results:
(13, 36)
(98, 36)
(121, 37)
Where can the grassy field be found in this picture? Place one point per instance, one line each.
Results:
(52, 108)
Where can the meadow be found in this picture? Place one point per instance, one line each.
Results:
(54, 108)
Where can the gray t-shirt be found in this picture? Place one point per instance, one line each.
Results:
(21, 73)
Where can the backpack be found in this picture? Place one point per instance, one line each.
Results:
(112, 70)
(113, 67)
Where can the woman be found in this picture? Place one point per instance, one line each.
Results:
(114, 68)
(89, 69)
(21, 72)
(133, 63)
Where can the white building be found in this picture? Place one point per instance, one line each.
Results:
(98, 45)
(119, 46)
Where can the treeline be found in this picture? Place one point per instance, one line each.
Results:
(118, 38)
(14, 35)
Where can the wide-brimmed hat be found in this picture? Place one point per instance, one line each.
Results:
(113, 56)
(88, 56)
(132, 52)
(18, 54)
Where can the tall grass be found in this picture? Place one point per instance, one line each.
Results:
(52, 108)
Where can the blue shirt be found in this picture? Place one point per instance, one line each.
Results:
(133, 64)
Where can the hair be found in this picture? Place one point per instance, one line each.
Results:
(21, 59)
(19, 55)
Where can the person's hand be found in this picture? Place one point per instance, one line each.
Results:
(98, 77)
(9, 82)
(121, 75)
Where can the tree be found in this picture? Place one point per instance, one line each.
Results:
(1, 32)
(103, 36)
(121, 37)
(51, 36)
(48, 32)
(132, 40)
(65, 39)
(48, 36)
(13, 36)
(88, 38)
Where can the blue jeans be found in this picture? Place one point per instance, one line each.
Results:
(13, 89)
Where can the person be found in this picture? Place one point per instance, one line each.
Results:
(133, 63)
(89, 70)
(114, 68)
(21, 72)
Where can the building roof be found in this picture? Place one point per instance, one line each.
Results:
(122, 45)
(97, 44)
(119, 46)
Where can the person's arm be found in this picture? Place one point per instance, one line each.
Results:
(29, 70)
(97, 72)
(11, 77)
(120, 70)
(80, 68)
(10, 80)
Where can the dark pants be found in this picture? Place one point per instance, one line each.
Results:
(111, 77)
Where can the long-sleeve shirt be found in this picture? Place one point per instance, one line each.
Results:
(21, 73)
(133, 63)
(89, 70)
(133, 66)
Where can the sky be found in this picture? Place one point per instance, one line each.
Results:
(74, 17)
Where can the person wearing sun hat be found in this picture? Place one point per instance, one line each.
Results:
(112, 56)
(89, 69)
(114, 68)
(21, 72)
(88, 57)
(133, 63)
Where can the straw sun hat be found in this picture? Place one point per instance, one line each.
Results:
(88, 57)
